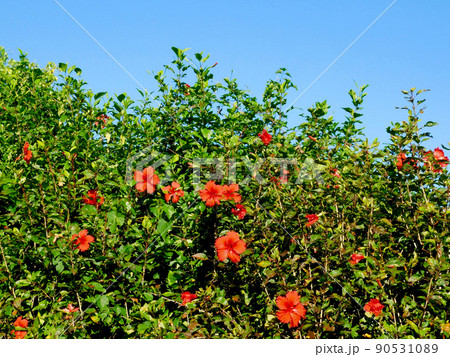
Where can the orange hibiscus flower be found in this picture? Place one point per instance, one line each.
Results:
(239, 211)
(102, 118)
(212, 194)
(336, 173)
(20, 322)
(401, 158)
(173, 192)
(356, 258)
(312, 218)
(291, 309)
(70, 309)
(27, 154)
(93, 199)
(230, 193)
(438, 156)
(187, 297)
(146, 180)
(265, 137)
(83, 240)
(230, 246)
(374, 306)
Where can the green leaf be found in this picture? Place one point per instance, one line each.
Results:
(200, 256)
(115, 219)
(414, 326)
(59, 266)
(143, 327)
(103, 302)
(430, 124)
(99, 95)
(173, 277)
(146, 223)
(98, 286)
(222, 300)
(264, 264)
(89, 209)
(177, 51)
(169, 210)
(162, 227)
(206, 133)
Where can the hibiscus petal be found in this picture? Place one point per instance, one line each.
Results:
(282, 303)
(150, 188)
(300, 310)
(284, 316)
(83, 233)
(210, 202)
(234, 257)
(222, 254)
(138, 176)
(220, 243)
(295, 319)
(293, 298)
(239, 247)
(141, 186)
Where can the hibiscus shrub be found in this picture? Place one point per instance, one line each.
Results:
(197, 213)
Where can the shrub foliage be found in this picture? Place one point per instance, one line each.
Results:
(347, 225)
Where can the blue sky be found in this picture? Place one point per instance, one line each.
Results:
(409, 46)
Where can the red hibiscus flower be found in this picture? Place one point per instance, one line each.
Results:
(239, 211)
(146, 180)
(282, 179)
(187, 297)
(70, 310)
(230, 246)
(93, 199)
(439, 155)
(173, 192)
(187, 86)
(291, 309)
(212, 194)
(19, 334)
(102, 118)
(356, 258)
(374, 307)
(82, 240)
(440, 158)
(20, 322)
(230, 193)
(401, 158)
(336, 173)
(265, 137)
(312, 218)
(27, 154)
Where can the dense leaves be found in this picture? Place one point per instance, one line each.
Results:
(198, 213)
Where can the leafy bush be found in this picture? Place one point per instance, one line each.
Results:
(346, 240)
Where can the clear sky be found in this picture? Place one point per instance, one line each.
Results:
(409, 46)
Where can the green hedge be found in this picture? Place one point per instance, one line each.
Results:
(352, 241)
